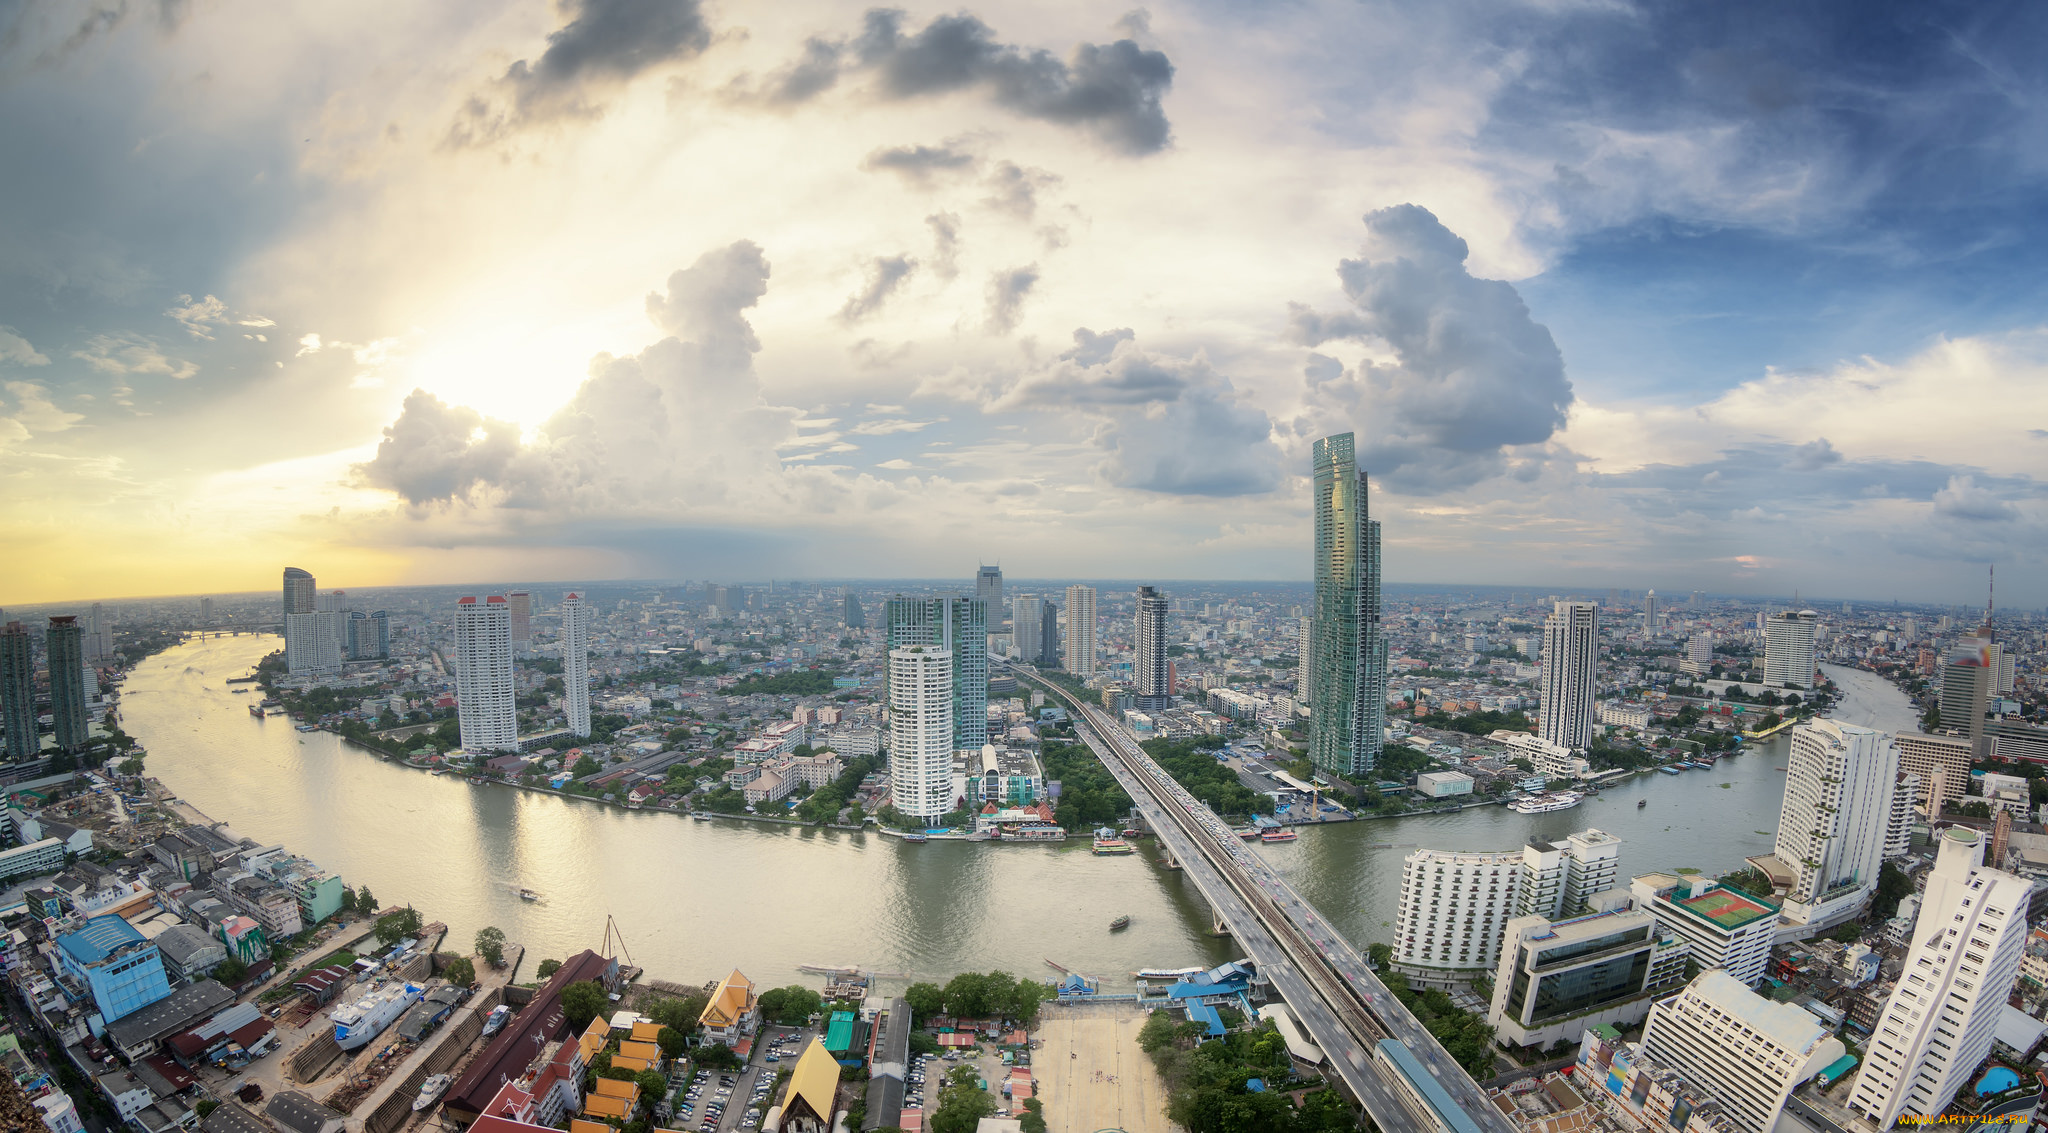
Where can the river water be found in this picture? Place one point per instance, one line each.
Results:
(696, 899)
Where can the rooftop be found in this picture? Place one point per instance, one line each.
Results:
(100, 938)
(1725, 908)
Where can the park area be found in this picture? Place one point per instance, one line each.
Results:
(1091, 1072)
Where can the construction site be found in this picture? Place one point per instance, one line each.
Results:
(1091, 1073)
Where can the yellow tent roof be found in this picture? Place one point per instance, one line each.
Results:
(594, 1037)
(735, 995)
(815, 1080)
(646, 1031)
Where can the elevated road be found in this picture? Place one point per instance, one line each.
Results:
(1340, 1003)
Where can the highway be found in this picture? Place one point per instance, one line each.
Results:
(1340, 1003)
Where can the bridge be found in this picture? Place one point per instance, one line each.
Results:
(1341, 1004)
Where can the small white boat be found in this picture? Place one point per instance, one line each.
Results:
(430, 1091)
(528, 895)
(496, 1020)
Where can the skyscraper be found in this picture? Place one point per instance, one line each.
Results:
(299, 589)
(1836, 817)
(854, 616)
(1744, 1050)
(1348, 668)
(1079, 655)
(1304, 649)
(1571, 655)
(576, 663)
(205, 612)
(1027, 614)
(1789, 648)
(315, 642)
(1155, 690)
(1966, 677)
(520, 602)
(988, 586)
(64, 646)
(1938, 1024)
(484, 698)
(1651, 621)
(18, 692)
(922, 726)
(959, 626)
(1049, 634)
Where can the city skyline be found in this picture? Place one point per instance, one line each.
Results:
(1733, 332)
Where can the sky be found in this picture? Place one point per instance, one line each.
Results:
(1739, 297)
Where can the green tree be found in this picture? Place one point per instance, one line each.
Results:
(394, 927)
(348, 899)
(230, 971)
(490, 944)
(1033, 1120)
(546, 968)
(962, 1105)
(652, 1086)
(583, 1001)
(365, 903)
(790, 1006)
(460, 972)
(717, 1056)
(1893, 884)
(672, 1042)
(680, 1015)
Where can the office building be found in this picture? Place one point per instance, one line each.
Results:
(1155, 690)
(99, 635)
(18, 693)
(520, 602)
(331, 602)
(1049, 634)
(576, 664)
(1942, 764)
(1035, 631)
(1835, 819)
(1743, 1050)
(1938, 1025)
(1699, 656)
(299, 591)
(988, 586)
(484, 694)
(1727, 928)
(2002, 658)
(1560, 879)
(369, 635)
(960, 627)
(1652, 621)
(1556, 978)
(1453, 909)
(64, 649)
(120, 966)
(1906, 795)
(1789, 649)
(315, 643)
(922, 704)
(205, 612)
(1079, 655)
(1571, 658)
(1966, 676)
(1347, 696)
(851, 613)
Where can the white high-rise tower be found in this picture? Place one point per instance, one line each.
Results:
(1836, 817)
(483, 674)
(1789, 648)
(1571, 655)
(576, 663)
(921, 730)
(1080, 658)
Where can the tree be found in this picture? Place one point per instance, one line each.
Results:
(672, 1042)
(1892, 885)
(365, 903)
(717, 1056)
(460, 972)
(790, 1006)
(547, 968)
(680, 1015)
(348, 899)
(490, 944)
(394, 927)
(583, 1001)
(230, 971)
(652, 1086)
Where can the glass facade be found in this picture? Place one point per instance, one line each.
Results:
(1347, 692)
(960, 625)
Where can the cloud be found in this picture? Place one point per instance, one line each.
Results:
(1815, 454)
(438, 452)
(309, 343)
(945, 228)
(15, 349)
(1006, 292)
(604, 45)
(1112, 91)
(124, 354)
(198, 316)
(921, 165)
(1014, 190)
(1473, 375)
(34, 412)
(1963, 499)
(884, 275)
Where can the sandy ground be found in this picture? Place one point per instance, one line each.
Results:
(1091, 1074)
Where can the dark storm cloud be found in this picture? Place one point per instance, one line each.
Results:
(603, 44)
(884, 275)
(1006, 292)
(920, 165)
(1111, 90)
(1473, 377)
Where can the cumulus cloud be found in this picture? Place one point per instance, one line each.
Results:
(35, 413)
(199, 316)
(1112, 91)
(1964, 499)
(1473, 375)
(1006, 292)
(15, 349)
(883, 276)
(603, 45)
(945, 228)
(921, 165)
(437, 452)
(1014, 189)
(123, 354)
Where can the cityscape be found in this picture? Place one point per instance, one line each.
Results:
(673, 566)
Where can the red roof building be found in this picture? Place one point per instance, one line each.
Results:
(539, 1023)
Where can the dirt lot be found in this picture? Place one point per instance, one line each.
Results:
(1091, 1074)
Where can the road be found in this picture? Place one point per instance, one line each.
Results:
(1342, 1005)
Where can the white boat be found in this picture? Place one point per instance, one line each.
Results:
(528, 895)
(430, 1091)
(355, 1024)
(496, 1020)
(1544, 804)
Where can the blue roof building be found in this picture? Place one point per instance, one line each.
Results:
(121, 966)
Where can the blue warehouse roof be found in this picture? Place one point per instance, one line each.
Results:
(100, 938)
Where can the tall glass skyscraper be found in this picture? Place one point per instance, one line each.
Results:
(64, 645)
(959, 625)
(1348, 669)
(18, 692)
(1154, 689)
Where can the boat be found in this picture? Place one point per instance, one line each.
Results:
(1641, 803)
(700, 816)
(309, 727)
(1668, 770)
(1544, 804)
(430, 1091)
(528, 895)
(1248, 833)
(356, 1023)
(1277, 835)
(496, 1020)
(1133, 832)
(1107, 846)
(1165, 973)
(256, 710)
(1122, 922)
(239, 690)
(915, 838)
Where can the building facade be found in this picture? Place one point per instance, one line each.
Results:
(988, 587)
(520, 603)
(1155, 693)
(18, 693)
(1742, 1049)
(121, 967)
(64, 649)
(1942, 764)
(959, 627)
(1966, 677)
(1555, 978)
(1347, 696)
(484, 693)
(1454, 907)
(1790, 649)
(1836, 817)
(1571, 657)
(921, 730)
(1727, 929)
(1080, 654)
(576, 664)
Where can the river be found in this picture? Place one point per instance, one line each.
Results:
(696, 899)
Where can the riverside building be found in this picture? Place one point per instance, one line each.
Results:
(1571, 657)
(1556, 978)
(959, 627)
(1347, 671)
(1745, 1051)
(484, 695)
(1789, 649)
(1836, 819)
(921, 730)
(575, 663)
(1727, 929)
